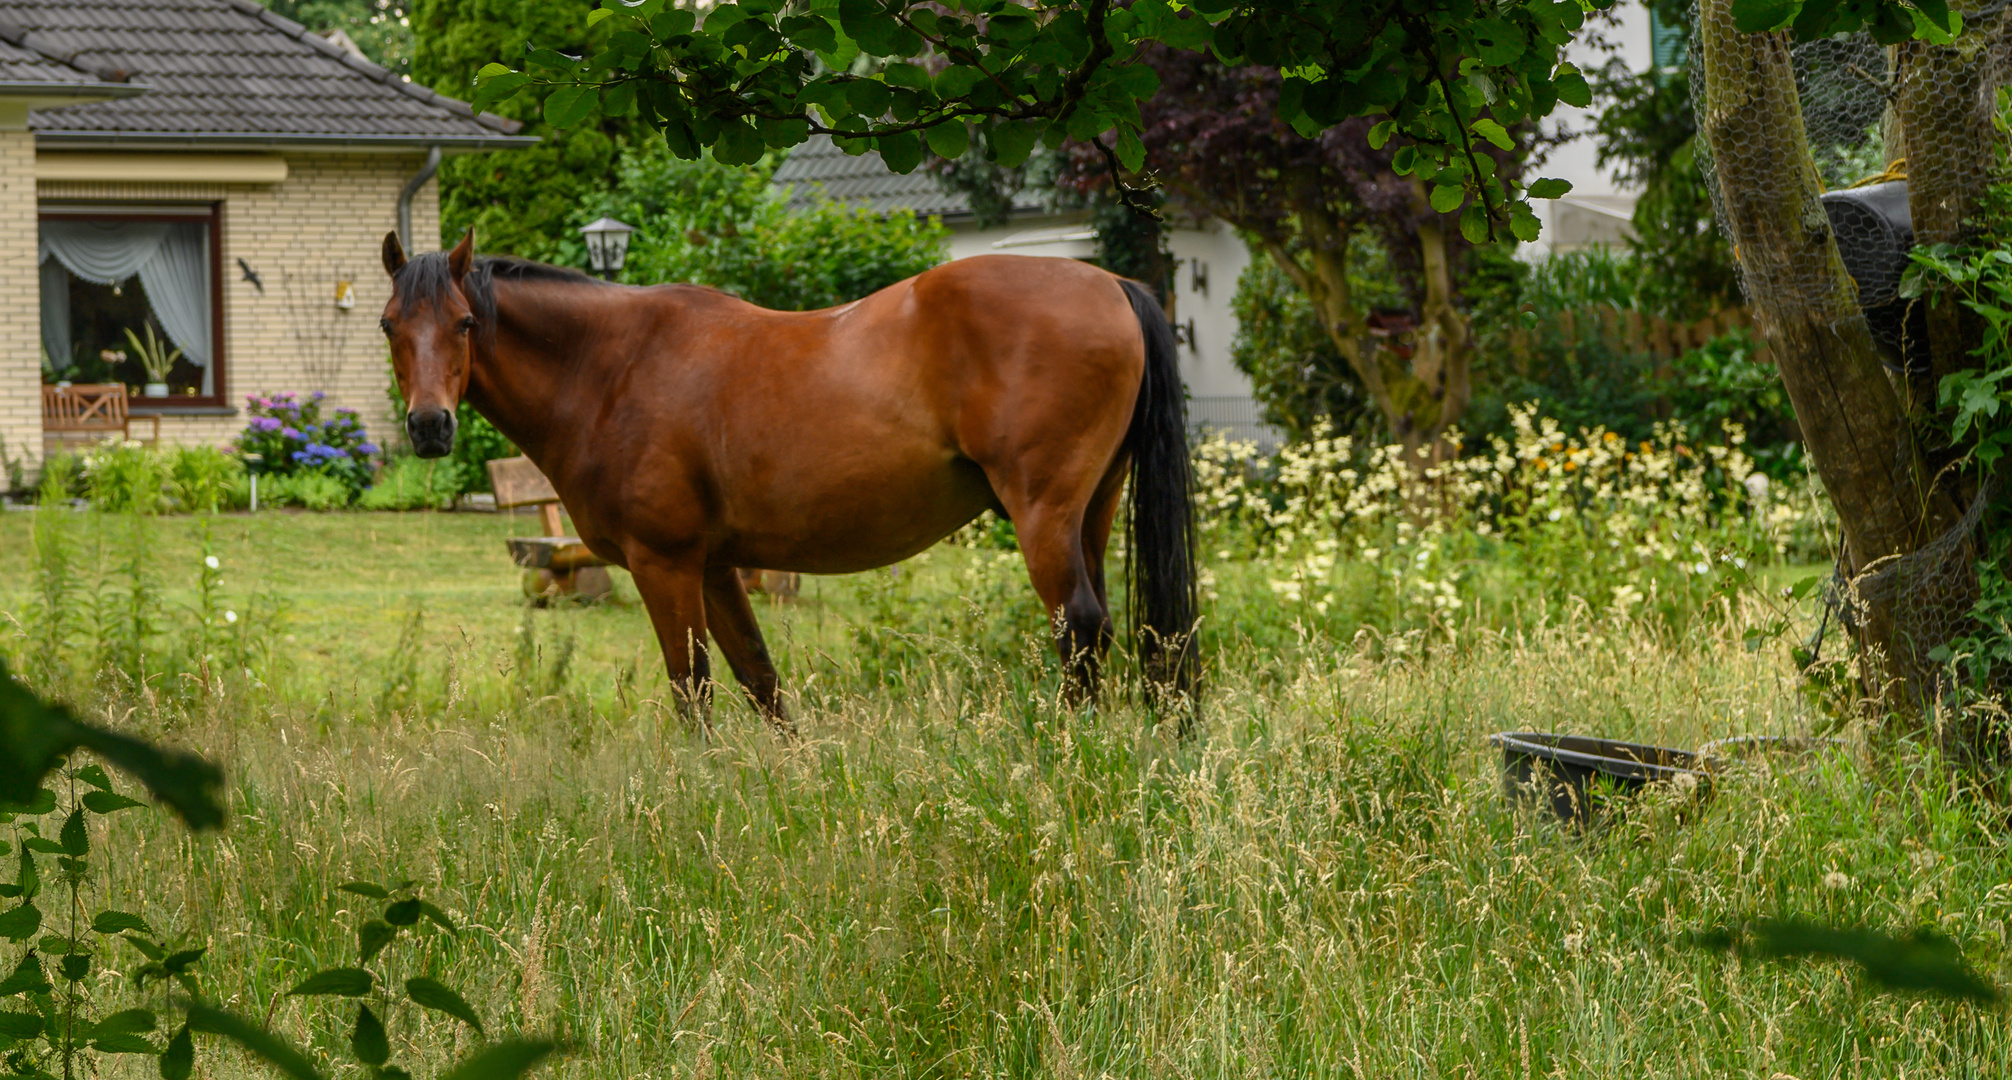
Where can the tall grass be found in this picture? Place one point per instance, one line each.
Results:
(952, 874)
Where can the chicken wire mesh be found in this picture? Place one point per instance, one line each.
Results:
(1896, 140)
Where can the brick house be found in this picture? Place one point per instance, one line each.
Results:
(219, 175)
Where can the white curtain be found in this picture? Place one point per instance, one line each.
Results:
(172, 260)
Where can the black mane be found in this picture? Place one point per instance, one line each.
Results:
(426, 278)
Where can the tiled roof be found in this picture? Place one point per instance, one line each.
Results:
(23, 65)
(227, 71)
(818, 168)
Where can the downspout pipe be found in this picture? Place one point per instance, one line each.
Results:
(411, 188)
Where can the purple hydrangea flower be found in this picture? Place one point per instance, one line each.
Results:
(291, 433)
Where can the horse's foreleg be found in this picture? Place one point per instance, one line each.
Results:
(735, 627)
(673, 590)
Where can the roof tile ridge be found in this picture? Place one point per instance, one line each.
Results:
(375, 72)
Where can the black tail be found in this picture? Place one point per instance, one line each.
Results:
(1163, 509)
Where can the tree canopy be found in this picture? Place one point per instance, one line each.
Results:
(898, 76)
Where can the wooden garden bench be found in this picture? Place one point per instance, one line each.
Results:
(88, 412)
(555, 564)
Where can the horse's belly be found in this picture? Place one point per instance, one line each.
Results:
(845, 525)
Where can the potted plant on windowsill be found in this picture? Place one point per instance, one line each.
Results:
(154, 356)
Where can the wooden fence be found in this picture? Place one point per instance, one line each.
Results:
(1636, 333)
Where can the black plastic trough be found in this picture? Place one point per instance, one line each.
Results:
(1576, 775)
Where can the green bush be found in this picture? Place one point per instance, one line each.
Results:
(408, 483)
(207, 479)
(127, 477)
(308, 490)
(703, 223)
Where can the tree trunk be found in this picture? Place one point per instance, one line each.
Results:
(1945, 98)
(1852, 421)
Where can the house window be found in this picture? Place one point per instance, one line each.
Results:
(117, 285)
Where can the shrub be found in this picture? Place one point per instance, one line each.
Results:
(312, 490)
(291, 436)
(706, 224)
(207, 479)
(122, 476)
(408, 483)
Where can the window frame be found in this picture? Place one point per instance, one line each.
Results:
(211, 213)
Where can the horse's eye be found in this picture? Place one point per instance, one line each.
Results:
(467, 323)
(384, 325)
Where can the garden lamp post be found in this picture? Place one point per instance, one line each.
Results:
(607, 246)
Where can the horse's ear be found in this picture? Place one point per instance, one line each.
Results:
(394, 254)
(462, 255)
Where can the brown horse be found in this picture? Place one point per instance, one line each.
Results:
(689, 433)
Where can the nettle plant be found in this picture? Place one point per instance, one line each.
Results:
(53, 1014)
(406, 914)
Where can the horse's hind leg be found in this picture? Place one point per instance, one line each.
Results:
(735, 627)
(1051, 540)
(1097, 521)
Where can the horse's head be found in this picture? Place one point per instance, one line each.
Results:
(429, 321)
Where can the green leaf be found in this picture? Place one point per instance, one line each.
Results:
(1572, 89)
(179, 962)
(257, 1040)
(739, 144)
(42, 845)
(75, 837)
(493, 90)
(368, 1041)
(124, 1044)
(1495, 133)
(869, 97)
(1524, 224)
(348, 982)
(504, 1061)
(1474, 223)
(1012, 143)
(146, 948)
(179, 1059)
(949, 140)
(902, 152)
(569, 105)
(1761, 16)
(126, 1022)
(94, 775)
(371, 938)
(1549, 188)
(430, 994)
(1381, 133)
(596, 16)
(34, 805)
(365, 888)
(58, 945)
(36, 736)
(74, 967)
(18, 1025)
(438, 917)
(28, 978)
(108, 802)
(1447, 198)
(403, 913)
(20, 923)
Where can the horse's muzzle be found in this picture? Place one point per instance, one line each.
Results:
(431, 432)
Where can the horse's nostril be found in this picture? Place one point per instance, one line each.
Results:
(431, 431)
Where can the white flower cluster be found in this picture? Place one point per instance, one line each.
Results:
(1587, 515)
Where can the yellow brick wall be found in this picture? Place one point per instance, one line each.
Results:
(326, 222)
(20, 305)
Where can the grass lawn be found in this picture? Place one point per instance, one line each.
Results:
(951, 874)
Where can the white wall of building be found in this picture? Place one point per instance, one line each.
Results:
(1597, 210)
(1209, 259)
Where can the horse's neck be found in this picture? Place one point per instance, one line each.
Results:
(527, 380)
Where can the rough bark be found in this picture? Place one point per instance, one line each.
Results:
(1853, 424)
